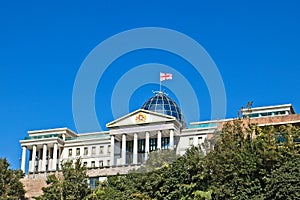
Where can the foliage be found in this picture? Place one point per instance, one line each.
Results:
(159, 178)
(244, 156)
(284, 181)
(158, 159)
(245, 162)
(71, 185)
(10, 185)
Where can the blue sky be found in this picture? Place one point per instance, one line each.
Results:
(254, 44)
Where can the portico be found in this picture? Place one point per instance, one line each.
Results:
(138, 137)
(45, 149)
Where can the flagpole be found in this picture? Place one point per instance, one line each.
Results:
(159, 85)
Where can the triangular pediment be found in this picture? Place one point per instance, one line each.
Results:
(140, 117)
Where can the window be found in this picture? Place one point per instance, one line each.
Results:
(84, 163)
(200, 140)
(70, 152)
(254, 115)
(129, 146)
(153, 144)
(101, 151)
(165, 141)
(108, 162)
(141, 146)
(191, 141)
(77, 151)
(108, 149)
(101, 163)
(283, 112)
(86, 151)
(93, 150)
(93, 164)
(264, 114)
(51, 152)
(94, 182)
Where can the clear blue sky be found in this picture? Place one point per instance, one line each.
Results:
(255, 45)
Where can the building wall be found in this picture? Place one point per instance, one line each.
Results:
(98, 162)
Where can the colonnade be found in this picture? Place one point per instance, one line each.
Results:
(135, 145)
(33, 164)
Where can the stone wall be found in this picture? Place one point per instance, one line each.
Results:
(33, 183)
(33, 187)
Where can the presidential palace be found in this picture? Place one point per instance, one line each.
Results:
(158, 125)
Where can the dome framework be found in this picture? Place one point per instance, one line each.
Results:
(161, 103)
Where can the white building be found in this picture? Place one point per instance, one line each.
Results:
(159, 124)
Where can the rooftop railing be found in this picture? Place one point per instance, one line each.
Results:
(208, 125)
(42, 136)
(83, 137)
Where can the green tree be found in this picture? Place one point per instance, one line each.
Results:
(10, 185)
(246, 162)
(245, 155)
(284, 181)
(164, 176)
(72, 184)
(158, 159)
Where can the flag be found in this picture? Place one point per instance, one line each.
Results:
(165, 76)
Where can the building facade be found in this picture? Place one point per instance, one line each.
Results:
(158, 125)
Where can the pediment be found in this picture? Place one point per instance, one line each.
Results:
(140, 117)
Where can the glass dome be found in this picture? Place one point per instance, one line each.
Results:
(161, 103)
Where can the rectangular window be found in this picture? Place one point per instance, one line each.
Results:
(191, 141)
(51, 152)
(200, 140)
(77, 151)
(101, 150)
(94, 182)
(101, 163)
(129, 146)
(165, 141)
(283, 112)
(141, 146)
(264, 114)
(153, 144)
(93, 164)
(86, 151)
(108, 162)
(70, 152)
(93, 150)
(108, 149)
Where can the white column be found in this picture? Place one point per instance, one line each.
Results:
(158, 140)
(171, 146)
(123, 149)
(112, 150)
(54, 160)
(33, 158)
(44, 157)
(195, 143)
(23, 161)
(135, 148)
(59, 156)
(147, 149)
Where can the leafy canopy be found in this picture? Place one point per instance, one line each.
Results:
(71, 184)
(10, 185)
